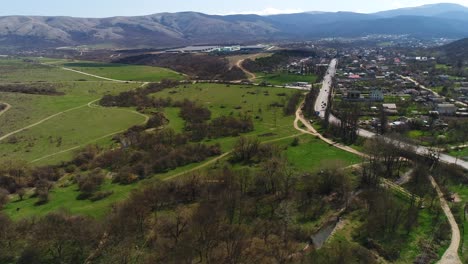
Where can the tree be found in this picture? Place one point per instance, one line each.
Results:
(173, 226)
(90, 183)
(292, 103)
(61, 238)
(3, 197)
(245, 149)
(21, 193)
(42, 191)
(348, 114)
(383, 121)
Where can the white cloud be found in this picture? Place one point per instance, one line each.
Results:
(268, 11)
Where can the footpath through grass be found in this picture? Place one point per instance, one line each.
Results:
(80, 126)
(71, 129)
(18, 70)
(125, 72)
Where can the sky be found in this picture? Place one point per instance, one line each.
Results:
(106, 8)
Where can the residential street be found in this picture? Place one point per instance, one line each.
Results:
(323, 99)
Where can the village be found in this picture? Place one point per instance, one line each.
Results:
(415, 95)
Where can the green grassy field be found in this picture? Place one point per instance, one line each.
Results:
(284, 78)
(73, 122)
(269, 122)
(307, 156)
(311, 153)
(125, 72)
(27, 109)
(16, 70)
(77, 126)
(221, 100)
(72, 129)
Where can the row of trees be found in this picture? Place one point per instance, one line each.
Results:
(291, 105)
(44, 89)
(347, 126)
(139, 97)
(309, 102)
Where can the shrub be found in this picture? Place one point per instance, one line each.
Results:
(100, 195)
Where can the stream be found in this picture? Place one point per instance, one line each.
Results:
(319, 238)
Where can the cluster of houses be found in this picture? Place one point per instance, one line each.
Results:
(368, 75)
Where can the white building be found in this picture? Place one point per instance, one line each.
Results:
(446, 109)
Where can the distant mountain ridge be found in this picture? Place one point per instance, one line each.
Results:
(173, 29)
(426, 10)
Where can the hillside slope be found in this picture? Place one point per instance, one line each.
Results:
(455, 51)
(176, 29)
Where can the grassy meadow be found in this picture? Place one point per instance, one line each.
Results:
(125, 72)
(64, 121)
(282, 78)
(271, 125)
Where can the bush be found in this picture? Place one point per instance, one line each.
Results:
(3, 197)
(125, 177)
(100, 195)
(88, 184)
(295, 142)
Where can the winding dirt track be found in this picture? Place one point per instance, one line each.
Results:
(8, 106)
(97, 76)
(251, 75)
(42, 121)
(451, 254)
(90, 105)
(311, 130)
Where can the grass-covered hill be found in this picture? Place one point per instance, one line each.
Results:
(455, 51)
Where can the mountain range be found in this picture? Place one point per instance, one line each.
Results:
(176, 29)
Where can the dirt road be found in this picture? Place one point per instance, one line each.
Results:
(311, 130)
(250, 75)
(451, 254)
(97, 76)
(92, 105)
(42, 121)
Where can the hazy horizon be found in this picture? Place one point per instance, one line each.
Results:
(107, 8)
